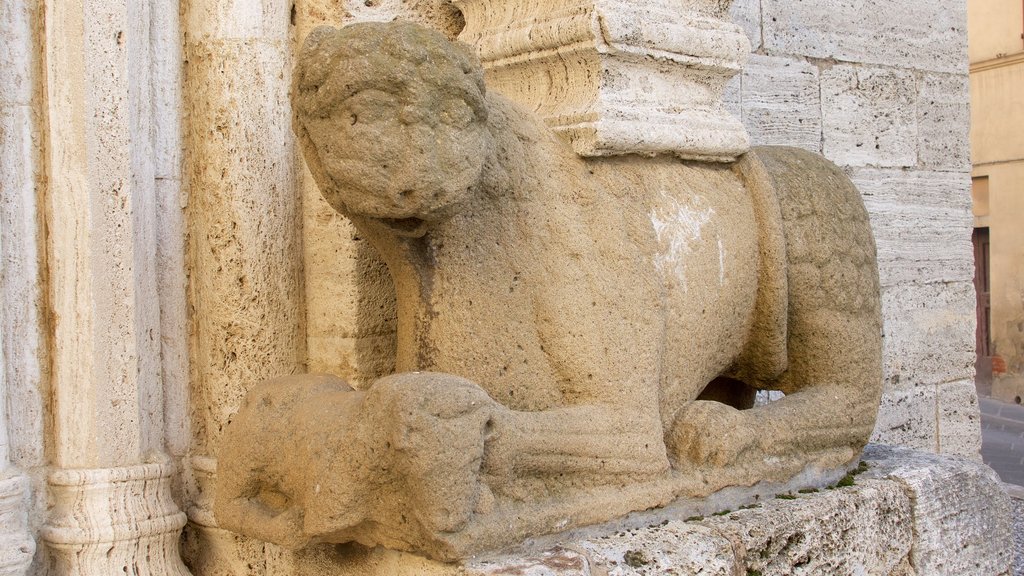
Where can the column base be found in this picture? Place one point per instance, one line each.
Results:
(114, 521)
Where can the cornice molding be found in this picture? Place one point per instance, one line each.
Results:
(1001, 62)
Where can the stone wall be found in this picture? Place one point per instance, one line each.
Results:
(163, 248)
(881, 88)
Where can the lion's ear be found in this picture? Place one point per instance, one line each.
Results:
(313, 64)
(317, 37)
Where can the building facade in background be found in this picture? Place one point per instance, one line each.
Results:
(996, 50)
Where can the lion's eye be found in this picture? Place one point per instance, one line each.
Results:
(369, 107)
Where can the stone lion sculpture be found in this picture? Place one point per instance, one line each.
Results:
(577, 338)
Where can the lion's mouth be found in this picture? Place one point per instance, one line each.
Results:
(410, 227)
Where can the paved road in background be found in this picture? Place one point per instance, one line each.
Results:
(1002, 432)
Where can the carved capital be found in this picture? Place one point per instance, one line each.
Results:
(615, 76)
(104, 520)
(16, 544)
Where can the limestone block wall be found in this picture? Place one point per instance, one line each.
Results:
(881, 88)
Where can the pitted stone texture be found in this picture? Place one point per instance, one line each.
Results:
(863, 529)
(668, 547)
(906, 417)
(16, 542)
(915, 34)
(926, 334)
(617, 77)
(519, 409)
(869, 116)
(871, 527)
(962, 516)
(245, 284)
(349, 297)
(960, 431)
(747, 13)
(781, 102)
(114, 521)
(922, 225)
(943, 118)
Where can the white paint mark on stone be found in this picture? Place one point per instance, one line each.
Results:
(678, 228)
(721, 262)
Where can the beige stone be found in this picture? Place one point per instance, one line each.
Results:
(881, 521)
(16, 543)
(614, 76)
(555, 341)
(962, 516)
(114, 521)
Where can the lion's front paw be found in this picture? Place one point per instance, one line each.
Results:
(709, 433)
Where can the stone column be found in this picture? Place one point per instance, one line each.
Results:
(617, 76)
(111, 508)
(244, 250)
(19, 337)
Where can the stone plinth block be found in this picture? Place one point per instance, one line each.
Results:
(962, 517)
(16, 544)
(615, 77)
(114, 521)
(905, 513)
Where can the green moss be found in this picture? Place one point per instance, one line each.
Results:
(752, 572)
(722, 513)
(694, 518)
(846, 481)
(808, 490)
(635, 558)
(785, 497)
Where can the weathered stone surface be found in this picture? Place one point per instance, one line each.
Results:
(926, 330)
(869, 116)
(907, 418)
(517, 407)
(617, 77)
(908, 514)
(781, 102)
(916, 34)
(943, 118)
(24, 342)
(245, 282)
(922, 224)
(859, 530)
(16, 543)
(747, 13)
(960, 417)
(961, 514)
(103, 521)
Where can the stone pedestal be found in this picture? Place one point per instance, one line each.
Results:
(908, 514)
(615, 76)
(105, 520)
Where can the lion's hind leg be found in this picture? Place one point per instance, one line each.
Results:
(831, 373)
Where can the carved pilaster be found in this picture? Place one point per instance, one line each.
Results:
(104, 521)
(617, 76)
(16, 544)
